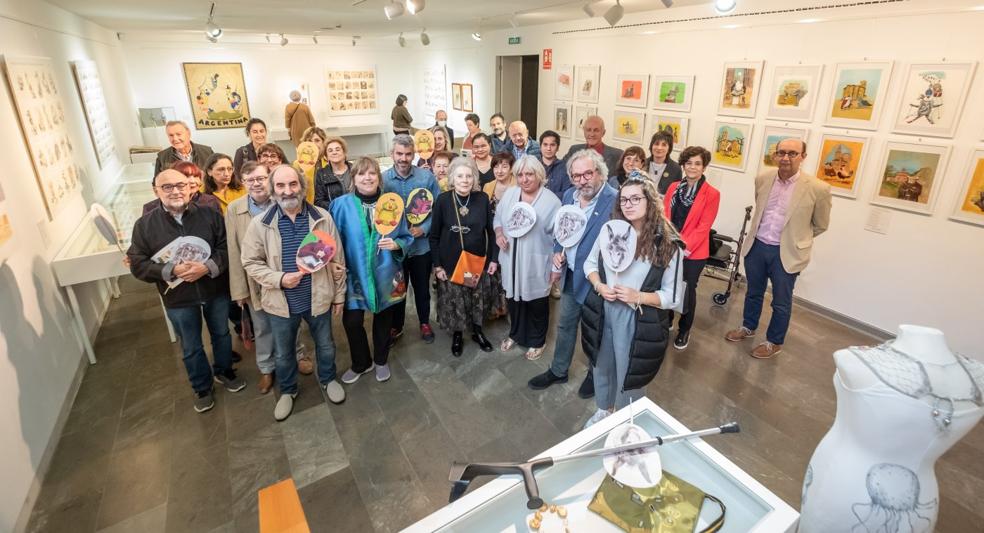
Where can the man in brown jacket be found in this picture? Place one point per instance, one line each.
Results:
(297, 117)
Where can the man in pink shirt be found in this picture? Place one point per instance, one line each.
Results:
(791, 208)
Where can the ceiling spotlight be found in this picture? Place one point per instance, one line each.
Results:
(283, 40)
(268, 37)
(355, 38)
(393, 10)
(725, 6)
(212, 32)
(667, 3)
(401, 40)
(614, 13)
(211, 39)
(588, 10)
(424, 38)
(513, 21)
(315, 39)
(415, 6)
(477, 35)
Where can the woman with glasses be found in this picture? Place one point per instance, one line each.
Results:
(256, 132)
(221, 182)
(481, 152)
(661, 167)
(692, 205)
(633, 158)
(334, 174)
(624, 321)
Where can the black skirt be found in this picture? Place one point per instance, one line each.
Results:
(528, 321)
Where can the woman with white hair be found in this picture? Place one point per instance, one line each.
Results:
(524, 233)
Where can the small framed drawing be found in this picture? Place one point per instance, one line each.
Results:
(840, 161)
(794, 92)
(731, 143)
(739, 88)
(467, 98)
(771, 137)
(933, 98)
(630, 126)
(456, 96)
(588, 83)
(562, 119)
(673, 93)
(632, 90)
(678, 126)
(910, 175)
(858, 95)
(581, 113)
(970, 203)
(564, 82)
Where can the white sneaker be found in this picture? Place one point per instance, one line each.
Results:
(285, 406)
(599, 415)
(382, 373)
(335, 392)
(351, 376)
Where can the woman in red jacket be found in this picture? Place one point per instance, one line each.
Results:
(691, 204)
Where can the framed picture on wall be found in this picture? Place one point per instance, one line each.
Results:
(456, 96)
(771, 137)
(96, 114)
(840, 161)
(582, 112)
(563, 119)
(673, 93)
(910, 176)
(858, 95)
(738, 94)
(352, 91)
(588, 83)
(794, 92)
(678, 126)
(6, 231)
(970, 204)
(632, 90)
(467, 98)
(564, 82)
(217, 92)
(933, 98)
(731, 144)
(630, 126)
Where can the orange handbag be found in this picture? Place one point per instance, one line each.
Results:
(469, 269)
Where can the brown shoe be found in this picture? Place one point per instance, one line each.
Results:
(266, 383)
(305, 366)
(766, 350)
(739, 334)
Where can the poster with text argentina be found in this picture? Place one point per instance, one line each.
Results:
(217, 92)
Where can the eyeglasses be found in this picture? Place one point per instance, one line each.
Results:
(586, 175)
(783, 154)
(268, 155)
(168, 187)
(258, 179)
(630, 200)
(222, 169)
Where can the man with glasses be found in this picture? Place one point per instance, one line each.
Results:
(182, 149)
(593, 195)
(791, 208)
(189, 289)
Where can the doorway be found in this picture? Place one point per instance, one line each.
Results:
(517, 89)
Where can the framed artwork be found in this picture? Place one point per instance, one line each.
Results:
(673, 93)
(679, 126)
(970, 203)
(588, 83)
(582, 112)
(435, 90)
(858, 95)
(94, 105)
(562, 119)
(933, 98)
(217, 92)
(840, 161)
(467, 98)
(632, 90)
(41, 113)
(352, 91)
(910, 175)
(731, 143)
(794, 92)
(456, 96)
(564, 82)
(630, 126)
(739, 88)
(6, 231)
(771, 137)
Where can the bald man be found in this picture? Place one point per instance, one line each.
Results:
(519, 141)
(181, 149)
(594, 134)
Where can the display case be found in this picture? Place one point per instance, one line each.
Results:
(500, 505)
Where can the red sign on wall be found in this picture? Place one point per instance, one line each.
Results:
(547, 58)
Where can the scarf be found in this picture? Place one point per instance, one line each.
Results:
(682, 200)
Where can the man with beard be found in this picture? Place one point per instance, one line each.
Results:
(203, 287)
(593, 195)
(500, 141)
(269, 252)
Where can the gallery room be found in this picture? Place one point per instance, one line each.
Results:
(446, 265)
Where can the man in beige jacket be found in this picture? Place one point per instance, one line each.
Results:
(289, 295)
(791, 208)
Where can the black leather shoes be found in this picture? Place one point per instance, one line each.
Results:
(457, 343)
(482, 342)
(544, 380)
(586, 390)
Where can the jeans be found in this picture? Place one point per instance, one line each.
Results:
(263, 337)
(284, 346)
(567, 324)
(187, 322)
(416, 270)
(762, 264)
(692, 269)
(352, 321)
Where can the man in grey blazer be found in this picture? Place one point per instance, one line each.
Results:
(594, 133)
(182, 149)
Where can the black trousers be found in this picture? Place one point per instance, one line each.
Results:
(417, 271)
(528, 321)
(353, 322)
(692, 269)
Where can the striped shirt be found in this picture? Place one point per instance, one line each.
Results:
(291, 235)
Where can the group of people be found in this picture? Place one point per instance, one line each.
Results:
(254, 210)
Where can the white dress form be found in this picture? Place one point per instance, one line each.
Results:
(900, 406)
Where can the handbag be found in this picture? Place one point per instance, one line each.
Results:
(672, 506)
(468, 270)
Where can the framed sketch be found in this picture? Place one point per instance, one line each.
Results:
(859, 95)
(673, 93)
(909, 176)
(562, 119)
(630, 126)
(467, 98)
(739, 88)
(456, 96)
(96, 115)
(352, 91)
(731, 144)
(840, 161)
(794, 92)
(564, 82)
(435, 90)
(582, 112)
(678, 126)
(771, 137)
(632, 90)
(933, 98)
(217, 92)
(588, 83)
(41, 114)
(970, 204)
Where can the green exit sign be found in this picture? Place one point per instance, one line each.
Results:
(515, 40)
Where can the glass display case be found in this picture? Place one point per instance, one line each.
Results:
(500, 505)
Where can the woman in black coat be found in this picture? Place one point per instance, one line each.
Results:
(660, 166)
(333, 177)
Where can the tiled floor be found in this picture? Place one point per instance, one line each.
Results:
(134, 456)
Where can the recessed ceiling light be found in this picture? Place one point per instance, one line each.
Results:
(725, 6)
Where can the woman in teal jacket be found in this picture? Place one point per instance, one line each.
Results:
(375, 277)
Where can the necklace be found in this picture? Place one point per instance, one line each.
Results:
(462, 209)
